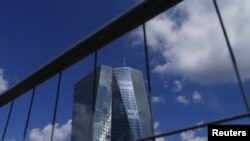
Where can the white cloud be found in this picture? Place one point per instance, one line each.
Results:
(200, 122)
(156, 126)
(3, 82)
(157, 99)
(197, 97)
(192, 43)
(61, 133)
(12, 139)
(191, 136)
(182, 99)
(177, 86)
(160, 139)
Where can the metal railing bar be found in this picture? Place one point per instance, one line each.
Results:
(29, 112)
(227, 119)
(56, 105)
(148, 76)
(137, 15)
(8, 119)
(236, 68)
(94, 80)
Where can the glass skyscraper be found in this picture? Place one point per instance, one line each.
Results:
(119, 109)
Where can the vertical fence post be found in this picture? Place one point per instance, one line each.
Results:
(94, 82)
(29, 112)
(8, 119)
(236, 69)
(148, 76)
(56, 105)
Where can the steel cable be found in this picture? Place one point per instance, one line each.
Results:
(8, 119)
(56, 105)
(29, 112)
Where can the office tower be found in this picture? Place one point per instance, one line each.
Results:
(116, 110)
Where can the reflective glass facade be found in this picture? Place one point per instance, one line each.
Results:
(118, 111)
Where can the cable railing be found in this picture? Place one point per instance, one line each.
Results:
(131, 19)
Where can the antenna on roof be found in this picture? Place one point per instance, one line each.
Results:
(124, 61)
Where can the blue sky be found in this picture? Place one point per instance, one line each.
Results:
(192, 76)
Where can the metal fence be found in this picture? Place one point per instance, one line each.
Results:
(131, 19)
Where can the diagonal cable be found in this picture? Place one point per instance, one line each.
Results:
(8, 119)
(56, 104)
(236, 69)
(29, 112)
